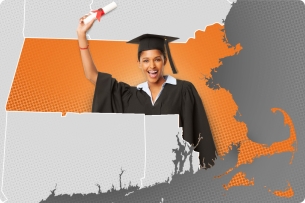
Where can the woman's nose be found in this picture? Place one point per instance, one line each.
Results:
(152, 64)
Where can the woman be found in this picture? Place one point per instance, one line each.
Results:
(159, 95)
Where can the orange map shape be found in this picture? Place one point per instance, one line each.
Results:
(239, 179)
(286, 193)
(50, 78)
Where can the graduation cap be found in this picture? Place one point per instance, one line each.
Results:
(151, 41)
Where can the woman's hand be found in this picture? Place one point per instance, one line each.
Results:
(82, 27)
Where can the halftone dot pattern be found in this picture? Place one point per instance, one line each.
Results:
(296, 85)
(45, 77)
(60, 21)
(130, 19)
(60, 84)
(50, 78)
(287, 193)
(270, 33)
(40, 156)
(248, 149)
(11, 41)
(239, 179)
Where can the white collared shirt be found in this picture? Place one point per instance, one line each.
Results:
(144, 86)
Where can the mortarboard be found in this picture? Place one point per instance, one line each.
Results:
(151, 41)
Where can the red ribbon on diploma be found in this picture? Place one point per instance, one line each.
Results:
(99, 14)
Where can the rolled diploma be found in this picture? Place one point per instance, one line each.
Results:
(106, 9)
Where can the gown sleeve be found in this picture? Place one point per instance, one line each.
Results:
(195, 122)
(109, 95)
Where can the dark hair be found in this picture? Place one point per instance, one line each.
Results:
(162, 52)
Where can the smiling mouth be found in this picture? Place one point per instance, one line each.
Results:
(152, 73)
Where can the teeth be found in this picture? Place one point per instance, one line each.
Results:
(152, 71)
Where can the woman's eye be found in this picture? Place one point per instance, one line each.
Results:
(158, 59)
(145, 61)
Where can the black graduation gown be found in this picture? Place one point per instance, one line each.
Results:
(111, 96)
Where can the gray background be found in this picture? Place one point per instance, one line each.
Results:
(267, 73)
(129, 20)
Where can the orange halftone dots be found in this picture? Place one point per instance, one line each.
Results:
(239, 179)
(288, 192)
(50, 78)
(249, 150)
(195, 60)
(225, 173)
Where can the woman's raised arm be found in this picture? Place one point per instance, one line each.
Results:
(88, 64)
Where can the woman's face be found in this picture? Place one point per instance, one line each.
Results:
(152, 64)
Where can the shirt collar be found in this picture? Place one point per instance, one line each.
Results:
(168, 79)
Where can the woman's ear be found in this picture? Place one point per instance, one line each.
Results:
(138, 64)
(165, 60)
